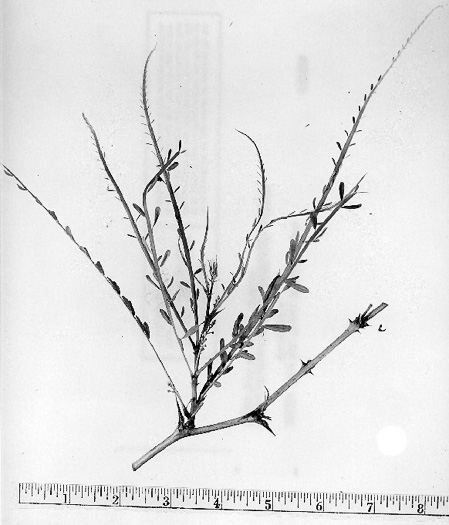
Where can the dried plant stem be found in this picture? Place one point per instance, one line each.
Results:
(246, 328)
(99, 268)
(258, 414)
(166, 175)
(307, 367)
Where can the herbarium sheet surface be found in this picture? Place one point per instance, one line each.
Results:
(85, 395)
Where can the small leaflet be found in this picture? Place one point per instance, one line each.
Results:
(278, 327)
(138, 208)
(99, 267)
(157, 212)
(114, 285)
(236, 328)
(69, 232)
(191, 331)
(296, 286)
(352, 206)
(272, 313)
(247, 355)
(84, 249)
(128, 304)
(165, 257)
(165, 316)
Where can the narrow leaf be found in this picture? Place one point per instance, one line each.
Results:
(341, 190)
(270, 287)
(236, 328)
(352, 206)
(69, 232)
(138, 208)
(157, 212)
(224, 357)
(292, 249)
(165, 257)
(191, 331)
(185, 284)
(278, 327)
(84, 250)
(165, 316)
(247, 355)
(99, 267)
(151, 281)
(128, 304)
(114, 285)
(297, 287)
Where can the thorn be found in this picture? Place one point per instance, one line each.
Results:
(180, 417)
(266, 425)
(305, 364)
(268, 392)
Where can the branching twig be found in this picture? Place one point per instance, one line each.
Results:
(143, 325)
(258, 414)
(208, 374)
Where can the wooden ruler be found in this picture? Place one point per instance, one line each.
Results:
(232, 499)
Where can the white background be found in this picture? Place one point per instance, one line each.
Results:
(83, 396)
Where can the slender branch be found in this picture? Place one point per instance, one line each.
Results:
(354, 326)
(158, 274)
(271, 300)
(245, 256)
(119, 193)
(142, 325)
(166, 175)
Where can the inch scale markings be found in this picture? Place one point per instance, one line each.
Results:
(231, 499)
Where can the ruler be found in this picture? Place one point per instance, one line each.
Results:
(231, 499)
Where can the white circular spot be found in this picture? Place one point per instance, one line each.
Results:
(391, 440)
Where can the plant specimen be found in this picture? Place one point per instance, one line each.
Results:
(193, 323)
